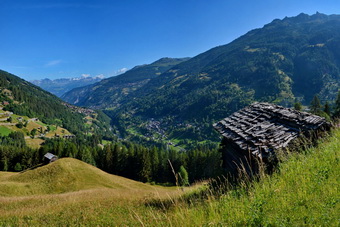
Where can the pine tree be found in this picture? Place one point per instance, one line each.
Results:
(5, 164)
(86, 156)
(108, 158)
(154, 163)
(145, 172)
(183, 176)
(17, 167)
(297, 106)
(315, 106)
(337, 106)
(33, 132)
(327, 109)
(115, 157)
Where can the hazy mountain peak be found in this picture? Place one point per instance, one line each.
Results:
(60, 86)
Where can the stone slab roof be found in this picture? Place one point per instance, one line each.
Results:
(49, 156)
(266, 127)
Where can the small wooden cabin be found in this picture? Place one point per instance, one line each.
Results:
(259, 130)
(69, 136)
(49, 157)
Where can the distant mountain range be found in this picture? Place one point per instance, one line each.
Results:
(60, 86)
(286, 61)
(110, 92)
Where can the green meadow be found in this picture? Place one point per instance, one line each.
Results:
(303, 191)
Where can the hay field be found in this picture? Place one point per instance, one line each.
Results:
(71, 192)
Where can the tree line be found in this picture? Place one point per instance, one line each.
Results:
(326, 110)
(146, 164)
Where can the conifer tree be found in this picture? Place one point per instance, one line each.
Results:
(5, 164)
(315, 106)
(17, 167)
(327, 109)
(108, 158)
(154, 163)
(183, 176)
(337, 106)
(145, 172)
(297, 106)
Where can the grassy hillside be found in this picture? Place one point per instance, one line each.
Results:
(303, 192)
(71, 192)
(29, 101)
(24, 124)
(64, 175)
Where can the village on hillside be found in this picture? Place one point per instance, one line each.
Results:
(35, 130)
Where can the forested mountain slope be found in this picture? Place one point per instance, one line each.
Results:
(110, 92)
(286, 61)
(289, 59)
(25, 99)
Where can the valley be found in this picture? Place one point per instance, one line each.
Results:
(140, 148)
(303, 191)
(284, 62)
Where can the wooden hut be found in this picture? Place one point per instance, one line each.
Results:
(49, 157)
(69, 136)
(259, 130)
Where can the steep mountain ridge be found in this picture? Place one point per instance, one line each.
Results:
(277, 62)
(109, 92)
(25, 99)
(286, 61)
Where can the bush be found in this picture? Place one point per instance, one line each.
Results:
(183, 176)
(17, 167)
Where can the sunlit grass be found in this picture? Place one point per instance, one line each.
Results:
(303, 192)
(70, 192)
(34, 143)
(4, 131)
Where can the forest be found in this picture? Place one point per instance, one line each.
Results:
(29, 100)
(158, 165)
(153, 164)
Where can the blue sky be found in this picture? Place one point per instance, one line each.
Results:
(68, 38)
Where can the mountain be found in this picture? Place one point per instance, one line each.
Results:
(286, 61)
(22, 98)
(109, 92)
(59, 87)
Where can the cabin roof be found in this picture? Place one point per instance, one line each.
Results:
(49, 156)
(266, 127)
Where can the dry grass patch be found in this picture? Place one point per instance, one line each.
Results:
(34, 143)
(59, 131)
(71, 192)
(66, 175)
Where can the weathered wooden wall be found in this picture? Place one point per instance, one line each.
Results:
(260, 129)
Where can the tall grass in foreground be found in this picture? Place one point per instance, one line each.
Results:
(304, 191)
